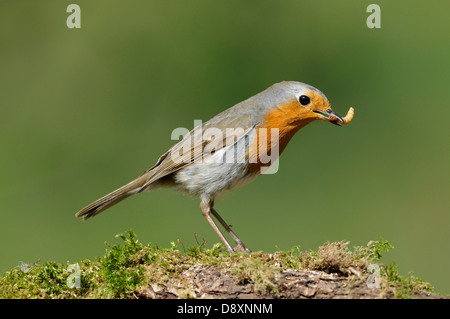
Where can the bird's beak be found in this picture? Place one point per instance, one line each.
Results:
(330, 116)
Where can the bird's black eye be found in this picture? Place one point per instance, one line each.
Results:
(304, 100)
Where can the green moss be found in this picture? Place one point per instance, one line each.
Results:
(404, 287)
(127, 268)
(258, 269)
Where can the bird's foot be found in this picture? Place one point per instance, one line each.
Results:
(241, 247)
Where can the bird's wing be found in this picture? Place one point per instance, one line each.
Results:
(202, 142)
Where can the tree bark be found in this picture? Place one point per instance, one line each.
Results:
(204, 281)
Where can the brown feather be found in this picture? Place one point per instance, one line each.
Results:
(112, 198)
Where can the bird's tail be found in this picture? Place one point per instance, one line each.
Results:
(112, 198)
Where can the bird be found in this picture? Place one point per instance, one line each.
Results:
(230, 150)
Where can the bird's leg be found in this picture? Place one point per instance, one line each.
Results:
(240, 245)
(206, 208)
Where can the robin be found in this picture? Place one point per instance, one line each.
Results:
(230, 150)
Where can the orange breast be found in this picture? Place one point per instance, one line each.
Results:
(277, 129)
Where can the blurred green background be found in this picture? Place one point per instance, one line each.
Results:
(84, 111)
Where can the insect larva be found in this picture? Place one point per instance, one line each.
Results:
(332, 118)
(348, 118)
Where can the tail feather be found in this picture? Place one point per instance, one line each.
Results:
(112, 198)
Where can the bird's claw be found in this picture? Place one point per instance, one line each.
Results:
(241, 247)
